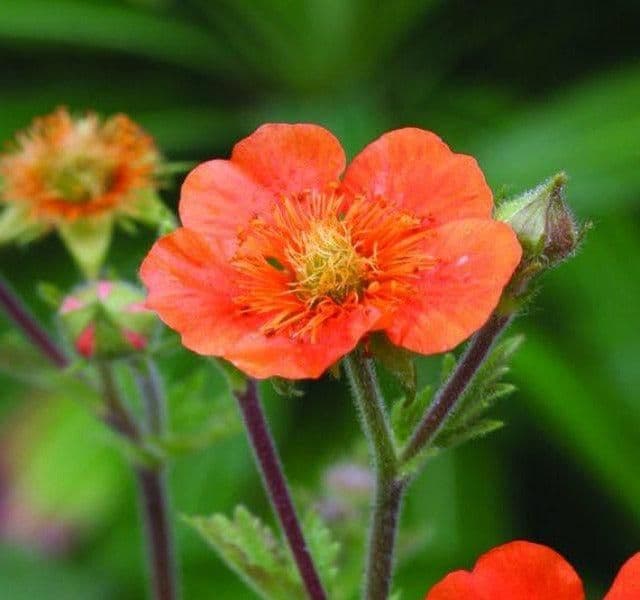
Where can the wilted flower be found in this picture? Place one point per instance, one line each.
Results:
(282, 269)
(107, 319)
(523, 570)
(78, 175)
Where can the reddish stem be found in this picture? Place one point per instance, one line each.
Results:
(274, 480)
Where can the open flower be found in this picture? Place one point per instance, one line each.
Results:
(526, 571)
(282, 268)
(78, 175)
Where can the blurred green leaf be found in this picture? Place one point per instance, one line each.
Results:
(109, 26)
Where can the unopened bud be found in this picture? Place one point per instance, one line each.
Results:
(542, 221)
(107, 319)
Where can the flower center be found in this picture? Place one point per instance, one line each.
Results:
(326, 262)
(319, 254)
(80, 179)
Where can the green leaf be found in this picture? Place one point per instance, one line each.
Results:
(483, 392)
(323, 547)
(406, 414)
(251, 549)
(88, 241)
(398, 361)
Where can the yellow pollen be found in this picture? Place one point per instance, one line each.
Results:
(326, 262)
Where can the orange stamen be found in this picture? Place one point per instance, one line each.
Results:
(317, 255)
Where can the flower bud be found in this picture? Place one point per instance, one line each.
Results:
(542, 221)
(107, 319)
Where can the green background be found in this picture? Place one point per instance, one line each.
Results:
(527, 88)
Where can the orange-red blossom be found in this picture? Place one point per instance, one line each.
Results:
(282, 268)
(527, 571)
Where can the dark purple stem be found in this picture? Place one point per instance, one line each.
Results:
(274, 481)
(27, 323)
(445, 401)
(155, 510)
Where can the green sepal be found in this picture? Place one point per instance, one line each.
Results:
(253, 552)
(50, 294)
(397, 361)
(149, 209)
(236, 379)
(287, 388)
(17, 226)
(88, 241)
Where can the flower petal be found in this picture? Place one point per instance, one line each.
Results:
(627, 583)
(518, 570)
(418, 171)
(475, 259)
(218, 198)
(192, 290)
(288, 159)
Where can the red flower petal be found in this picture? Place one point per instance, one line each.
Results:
(288, 159)
(191, 289)
(515, 571)
(218, 198)
(475, 258)
(627, 583)
(416, 169)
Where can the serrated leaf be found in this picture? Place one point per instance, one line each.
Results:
(399, 362)
(406, 414)
(451, 438)
(447, 366)
(484, 390)
(323, 548)
(251, 549)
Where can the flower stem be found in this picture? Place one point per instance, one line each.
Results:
(274, 480)
(27, 323)
(447, 397)
(151, 478)
(389, 485)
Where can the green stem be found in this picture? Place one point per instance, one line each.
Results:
(389, 484)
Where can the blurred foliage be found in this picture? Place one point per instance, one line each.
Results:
(529, 89)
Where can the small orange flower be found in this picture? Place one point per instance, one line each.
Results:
(78, 175)
(525, 571)
(282, 268)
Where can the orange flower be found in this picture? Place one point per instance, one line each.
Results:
(527, 571)
(78, 175)
(281, 268)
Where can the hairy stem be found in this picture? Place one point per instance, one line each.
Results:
(150, 478)
(28, 324)
(447, 397)
(389, 485)
(276, 485)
